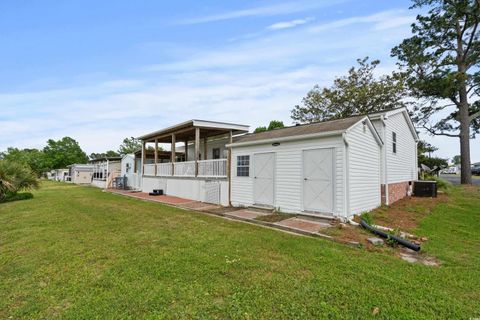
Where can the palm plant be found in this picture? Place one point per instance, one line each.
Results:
(15, 177)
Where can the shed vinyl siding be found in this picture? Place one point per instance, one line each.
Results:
(379, 126)
(288, 173)
(401, 166)
(364, 160)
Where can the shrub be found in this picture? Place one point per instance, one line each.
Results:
(15, 177)
(442, 184)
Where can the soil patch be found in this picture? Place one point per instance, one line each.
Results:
(406, 213)
(276, 217)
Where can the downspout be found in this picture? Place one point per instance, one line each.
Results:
(347, 187)
(415, 175)
(385, 171)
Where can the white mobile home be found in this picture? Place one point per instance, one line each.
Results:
(105, 170)
(128, 166)
(58, 175)
(80, 173)
(204, 178)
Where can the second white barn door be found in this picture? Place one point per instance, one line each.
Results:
(263, 176)
(318, 180)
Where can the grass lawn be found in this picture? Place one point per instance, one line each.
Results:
(79, 253)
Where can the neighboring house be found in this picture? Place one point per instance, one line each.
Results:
(335, 168)
(80, 173)
(133, 179)
(105, 170)
(58, 175)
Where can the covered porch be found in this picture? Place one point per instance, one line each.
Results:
(191, 149)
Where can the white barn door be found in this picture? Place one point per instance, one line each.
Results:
(318, 180)
(263, 176)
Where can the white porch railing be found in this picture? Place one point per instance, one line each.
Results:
(164, 169)
(206, 169)
(212, 168)
(184, 169)
(149, 169)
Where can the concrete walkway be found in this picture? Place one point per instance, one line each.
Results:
(170, 200)
(294, 224)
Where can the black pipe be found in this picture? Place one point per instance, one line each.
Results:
(385, 235)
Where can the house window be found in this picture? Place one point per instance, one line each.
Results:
(243, 166)
(394, 142)
(216, 153)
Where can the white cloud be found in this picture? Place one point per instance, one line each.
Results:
(379, 21)
(289, 24)
(272, 10)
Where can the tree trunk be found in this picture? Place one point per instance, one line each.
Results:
(463, 117)
(466, 173)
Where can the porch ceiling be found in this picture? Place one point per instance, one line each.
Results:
(186, 131)
(188, 135)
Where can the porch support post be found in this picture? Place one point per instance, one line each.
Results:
(156, 155)
(143, 157)
(173, 153)
(186, 150)
(229, 168)
(205, 150)
(197, 149)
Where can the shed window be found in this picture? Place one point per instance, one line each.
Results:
(394, 142)
(243, 166)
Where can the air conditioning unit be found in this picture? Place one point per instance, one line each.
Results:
(423, 188)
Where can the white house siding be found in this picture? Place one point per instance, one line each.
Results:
(363, 154)
(127, 170)
(102, 184)
(81, 174)
(188, 188)
(127, 164)
(288, 182)
(401, 166)
(211, 144)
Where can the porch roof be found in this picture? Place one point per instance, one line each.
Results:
(186, 130)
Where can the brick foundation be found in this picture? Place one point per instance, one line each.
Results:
(396, 191)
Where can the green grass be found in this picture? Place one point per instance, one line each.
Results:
(79, 253)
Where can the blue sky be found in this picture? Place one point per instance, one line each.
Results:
(99, 71)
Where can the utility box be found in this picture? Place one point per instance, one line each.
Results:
(425, 189)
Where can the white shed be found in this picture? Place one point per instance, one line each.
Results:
(329, 168)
